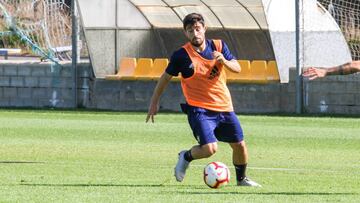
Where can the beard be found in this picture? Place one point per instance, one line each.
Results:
(197, 42)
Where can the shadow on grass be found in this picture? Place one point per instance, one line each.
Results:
(266, 193)
(21, 162)
(205, 191)
(89, 185)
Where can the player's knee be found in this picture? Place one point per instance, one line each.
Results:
(242, 144)
(210, 149)
(239, 145)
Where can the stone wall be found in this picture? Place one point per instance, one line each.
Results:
(136, 95)
(39, 85)
(335, 94)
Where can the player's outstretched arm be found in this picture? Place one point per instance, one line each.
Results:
(159, 89)
(355, 66)
(313, 73)
(345, 69)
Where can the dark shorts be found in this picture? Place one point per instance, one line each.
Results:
(211, 126)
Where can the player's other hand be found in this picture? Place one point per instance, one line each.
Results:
(313, 73)
(153, 109)
(218, 56)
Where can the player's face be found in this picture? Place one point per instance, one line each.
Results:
(196, 34)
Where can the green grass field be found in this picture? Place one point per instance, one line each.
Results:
(66, 156)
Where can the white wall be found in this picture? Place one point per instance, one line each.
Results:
(322, 43)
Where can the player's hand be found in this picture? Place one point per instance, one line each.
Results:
(313, 73)
(219, 57)
(153, 109)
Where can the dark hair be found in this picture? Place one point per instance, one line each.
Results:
(193, 18)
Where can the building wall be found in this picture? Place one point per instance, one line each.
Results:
(37, 85)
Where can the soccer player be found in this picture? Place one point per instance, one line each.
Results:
(345, 69)
(209, 108)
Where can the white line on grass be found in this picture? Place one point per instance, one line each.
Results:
(290, 169)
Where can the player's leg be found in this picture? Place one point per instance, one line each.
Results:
(203, 151)
(240, 153)
(229, 130)
(202, 123)
(240, 160)
(186, 156)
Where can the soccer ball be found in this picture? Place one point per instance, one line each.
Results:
(216, 175)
